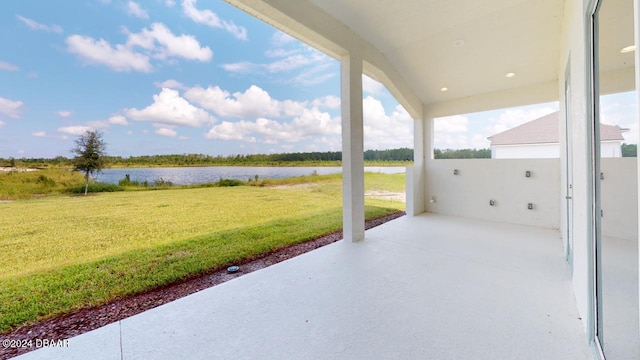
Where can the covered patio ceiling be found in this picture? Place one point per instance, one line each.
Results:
(417, 48)
(466, 46)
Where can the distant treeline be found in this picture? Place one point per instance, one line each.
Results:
(329, 157)
(462, 154)
(629, 150)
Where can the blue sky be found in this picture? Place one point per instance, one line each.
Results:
(163, 77)
(185, 76)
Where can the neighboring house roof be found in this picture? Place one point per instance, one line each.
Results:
(546, 130)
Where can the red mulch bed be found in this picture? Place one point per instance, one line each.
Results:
(84, 320)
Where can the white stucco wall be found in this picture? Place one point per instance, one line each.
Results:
(610, 149)
(481, 180)
(503, 180)
(528, 151)
(574, 57)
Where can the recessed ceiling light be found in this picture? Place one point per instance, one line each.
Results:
(628, 49)
(458, 43)
(510, 75)
(444, 89)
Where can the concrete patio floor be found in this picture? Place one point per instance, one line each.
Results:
(427, 287)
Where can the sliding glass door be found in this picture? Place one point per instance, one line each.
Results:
(614, 128)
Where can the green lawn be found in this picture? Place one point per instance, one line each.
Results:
(64, 253)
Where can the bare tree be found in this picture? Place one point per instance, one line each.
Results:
(90, 151)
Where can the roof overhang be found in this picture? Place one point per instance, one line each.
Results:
(417, 48)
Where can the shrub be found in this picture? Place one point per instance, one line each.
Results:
(97, 188)
(46, 181)
(229, 182)
(162, 183)
(126, 181)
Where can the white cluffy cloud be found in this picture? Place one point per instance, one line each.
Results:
(8, 67)
(171, 84)
(318, 129)
(134, 9)
(302, 64)
(34, 25)
(311, 122)
(211, 19)
(113, 120)
(64, 113)
(280, 39)
(252, 103)
(10, 108)
(65, 130)
(371, 86)
(88, 125)
(255, 102)
(450, 132)
(451, 124)
(328, 102)
(288, 121)
(162, 43)
(163, 131)
(511, 118)
(74, 130)
(261, 118)
(118, 120)
(386, 131)
(158, 42)
(100, 52)
(253, 116)
(171, 109)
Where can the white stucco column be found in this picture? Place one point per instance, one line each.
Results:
(352, 148)
(416, 174)
(428, 134)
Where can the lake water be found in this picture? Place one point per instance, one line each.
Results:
(199, 175)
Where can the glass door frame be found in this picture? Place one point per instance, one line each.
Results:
(595, 314)
(595, 333)
(568, 167)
